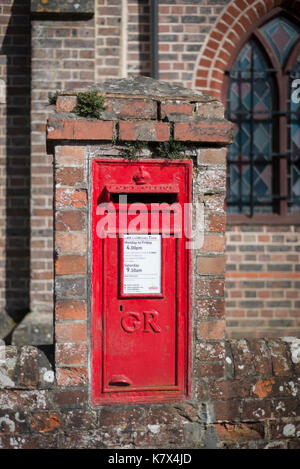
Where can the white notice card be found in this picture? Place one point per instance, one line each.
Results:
(142, 264)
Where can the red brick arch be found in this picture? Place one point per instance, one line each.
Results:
(232, 26)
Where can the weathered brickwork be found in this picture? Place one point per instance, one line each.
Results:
(43, 54)
(56, 7)
(263, 280)
(88, 139)
(251, 402)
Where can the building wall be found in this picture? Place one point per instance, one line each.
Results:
(15, 177)
(183, 29)
(65, 52)
(263, 282)
(63, 57)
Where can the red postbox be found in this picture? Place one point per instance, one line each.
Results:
(141, 280)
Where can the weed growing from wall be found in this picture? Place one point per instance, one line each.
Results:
(171, 150)
(89, 104)
(52, 97)
(132, 151)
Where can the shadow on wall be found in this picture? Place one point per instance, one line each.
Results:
(17, 49)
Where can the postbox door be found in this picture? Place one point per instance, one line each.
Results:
(140, 349)
(140, 289)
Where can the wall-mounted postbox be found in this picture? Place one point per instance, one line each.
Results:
(141, 280)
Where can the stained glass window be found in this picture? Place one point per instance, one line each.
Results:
(250, 101)
(282, 35)
(258, 99)
(294, 144)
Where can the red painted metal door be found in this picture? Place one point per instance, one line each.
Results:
(143, 348)
(141, 283)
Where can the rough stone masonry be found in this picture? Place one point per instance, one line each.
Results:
(252, 403)
(244, 392)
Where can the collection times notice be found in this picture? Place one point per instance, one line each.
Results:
(142, 264)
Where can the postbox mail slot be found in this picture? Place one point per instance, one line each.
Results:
(144, 198)
(140, 284)
(155, 193)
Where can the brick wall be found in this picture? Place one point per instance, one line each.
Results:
(63, 57)
(37, 57)
(244, 393)
(233, 23)
(108, 20)
(183, 30)
(129, 119)
(15, 161)
(253, 405)
(263, 280)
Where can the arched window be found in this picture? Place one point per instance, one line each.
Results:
(263, 176)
